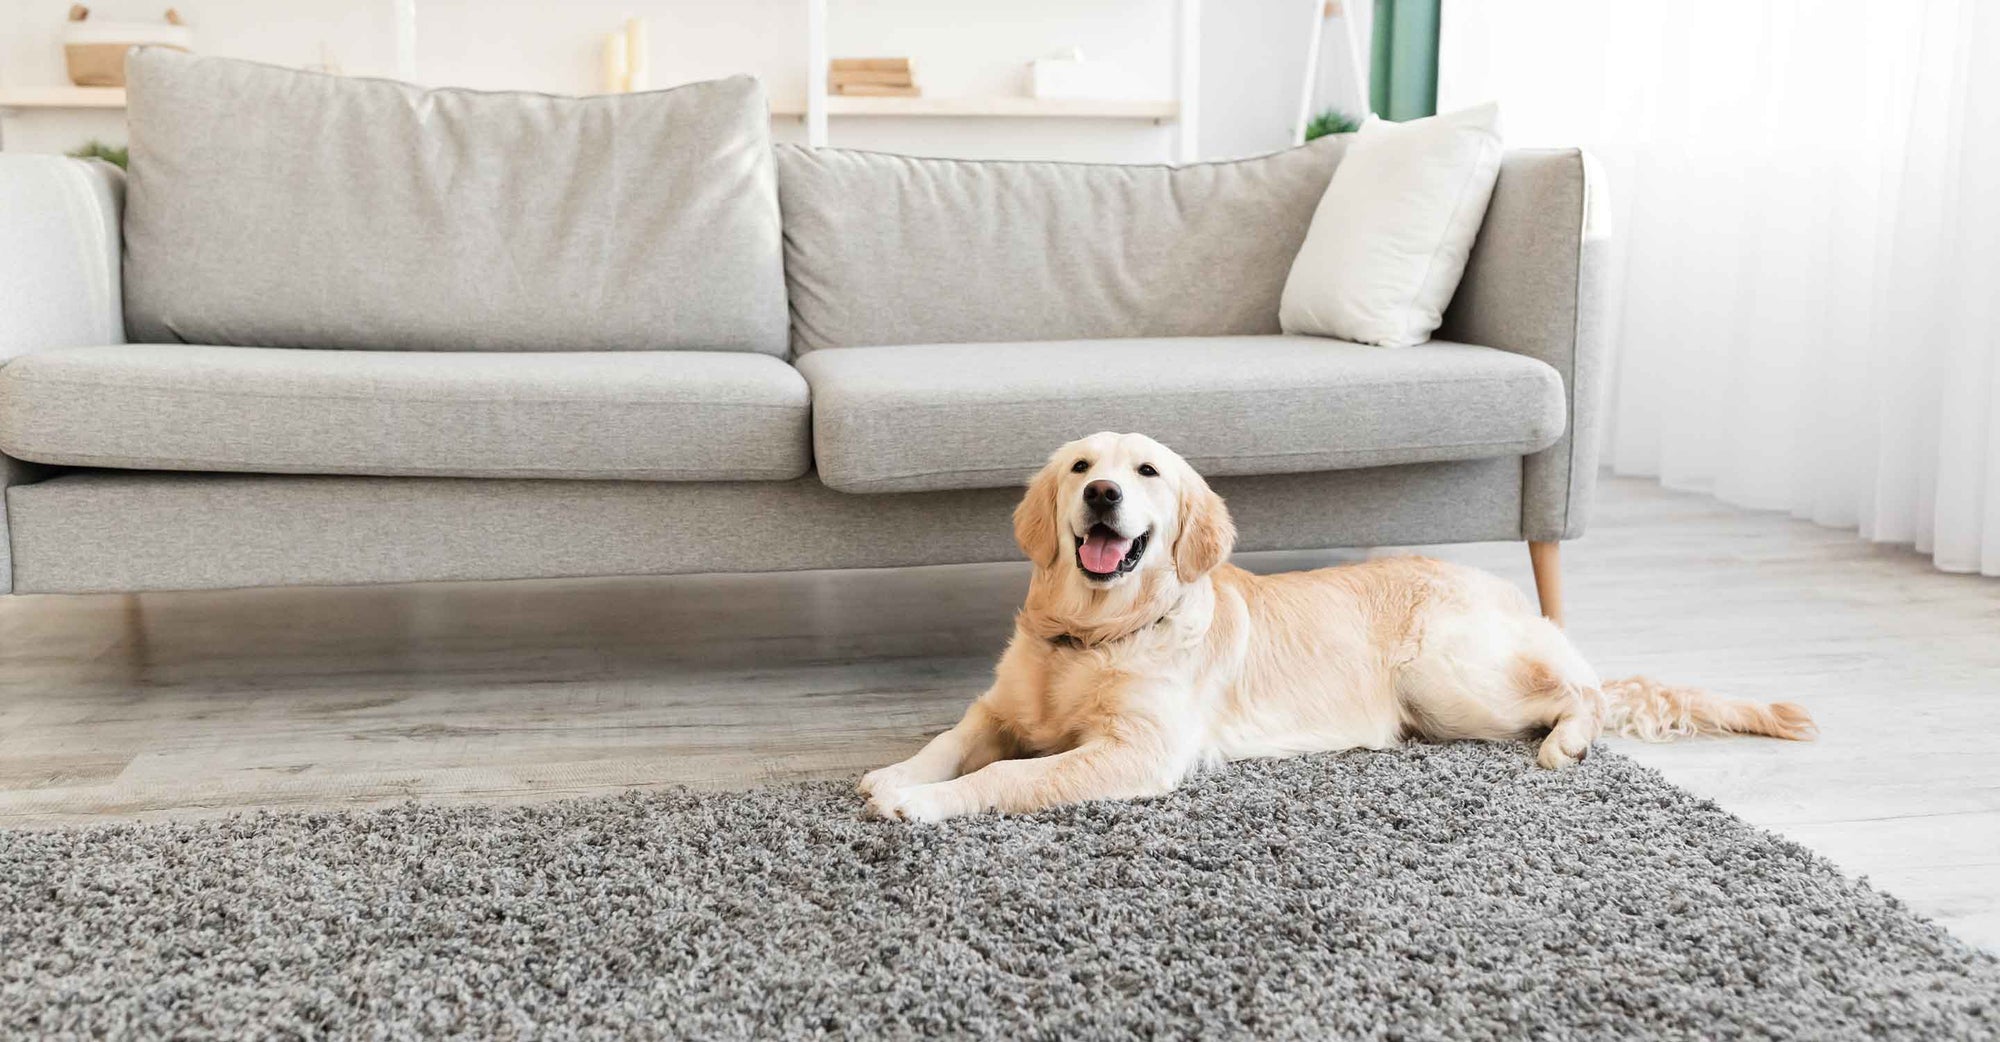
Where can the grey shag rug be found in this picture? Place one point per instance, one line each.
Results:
(1433, 892)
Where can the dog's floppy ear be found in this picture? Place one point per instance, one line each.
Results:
(1035, 519)
(1206, 533)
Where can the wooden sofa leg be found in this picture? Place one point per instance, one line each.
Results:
(1546, 557)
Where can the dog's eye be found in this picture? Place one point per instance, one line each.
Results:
(1146, 470)
(1079, 466)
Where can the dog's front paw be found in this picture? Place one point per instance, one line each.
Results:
(883, 779)
(914, 803)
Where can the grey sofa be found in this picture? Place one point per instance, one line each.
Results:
(455, 357)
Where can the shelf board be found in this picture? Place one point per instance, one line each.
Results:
(62, 97)
(993, 107)
(1003, 107)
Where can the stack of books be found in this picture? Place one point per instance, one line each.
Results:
(876, 77)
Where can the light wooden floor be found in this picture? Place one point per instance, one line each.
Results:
(178, 705)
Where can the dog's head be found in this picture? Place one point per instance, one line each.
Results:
(1113, 506)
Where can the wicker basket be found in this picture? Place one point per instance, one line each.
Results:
(95, 51)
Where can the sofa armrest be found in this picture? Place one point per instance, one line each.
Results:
(59, 273)
(1535, 285)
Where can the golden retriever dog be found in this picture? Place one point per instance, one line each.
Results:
(1141, 656)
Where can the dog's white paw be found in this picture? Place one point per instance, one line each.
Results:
(1561, 750)
(912, 803)
(883, 779)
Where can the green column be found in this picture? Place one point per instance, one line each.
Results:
(1403, 59)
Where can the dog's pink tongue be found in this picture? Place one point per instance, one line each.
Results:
(1101, 550)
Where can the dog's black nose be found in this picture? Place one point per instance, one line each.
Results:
(1102, 496)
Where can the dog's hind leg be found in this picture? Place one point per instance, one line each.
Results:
(1501, 675)
(1573, 710)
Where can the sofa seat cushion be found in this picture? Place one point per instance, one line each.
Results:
(651, 415)
(938, 416)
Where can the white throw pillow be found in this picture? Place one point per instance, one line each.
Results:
(1389, 240)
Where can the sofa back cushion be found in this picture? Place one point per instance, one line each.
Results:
(291, 209)
(884, 249)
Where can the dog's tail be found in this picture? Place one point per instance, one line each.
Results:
(1654, 712)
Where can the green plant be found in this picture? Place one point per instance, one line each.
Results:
(96, 149)
(1332, 121)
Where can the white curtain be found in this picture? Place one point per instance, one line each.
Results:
(1806, 203)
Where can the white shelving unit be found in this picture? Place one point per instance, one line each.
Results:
(1017, 107)
(62, 98)
(1002, 107)
(1181, 110)
(818, 104)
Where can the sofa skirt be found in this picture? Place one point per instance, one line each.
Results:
(94, 531)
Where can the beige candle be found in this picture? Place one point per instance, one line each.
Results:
(616, 72)
(638, 66)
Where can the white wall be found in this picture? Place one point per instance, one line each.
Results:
(1252, 59)
(1254, 62)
